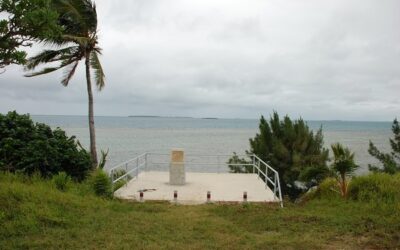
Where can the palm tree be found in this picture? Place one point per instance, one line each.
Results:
(79, 41)
(343, 165)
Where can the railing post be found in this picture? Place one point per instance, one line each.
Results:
(274, 185)
(254, 163)
(218, 166)
(137, 167)
(145, 162)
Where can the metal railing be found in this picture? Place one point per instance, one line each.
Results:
(199, 163)
(128, 170)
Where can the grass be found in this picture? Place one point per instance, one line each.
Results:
(35, 215)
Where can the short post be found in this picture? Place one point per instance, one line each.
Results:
(175, 196)
(141, 196)
(244, 196)
(208, 196)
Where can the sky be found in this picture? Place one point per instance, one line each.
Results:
(319, 60)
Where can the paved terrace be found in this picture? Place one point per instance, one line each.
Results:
(159, 175)
(225, 187)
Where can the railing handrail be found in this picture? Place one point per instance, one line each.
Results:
(277, 184)
(128, 161)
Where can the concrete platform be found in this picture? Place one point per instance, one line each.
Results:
(224, 187)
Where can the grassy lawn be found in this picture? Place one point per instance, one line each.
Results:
(35, 215)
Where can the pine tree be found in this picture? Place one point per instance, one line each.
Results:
(293, 150)
(390, 162)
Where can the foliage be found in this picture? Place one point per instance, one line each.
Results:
(343, 165)
(61, 181)
(293, 150)
(118, 173)
(28, 208)
(103, 159)
(79, 40)
(30, 147)
(327, 189)
(239, 168)
(390, 162)
(377, 187)
(23, 22)
(101, 183)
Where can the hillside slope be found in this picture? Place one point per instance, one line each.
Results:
(35, 215)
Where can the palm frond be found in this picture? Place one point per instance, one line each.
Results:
(69, 72)
(77, 16)
(76, 39)
(64, 63)
(98, 70)
(43, 71)
(47, 56)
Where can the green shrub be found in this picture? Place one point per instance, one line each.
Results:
(29, 147)
(328, 189)
(375, 187)
(61, 181)
(101, 183)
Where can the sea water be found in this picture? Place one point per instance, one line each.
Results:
(127, 137)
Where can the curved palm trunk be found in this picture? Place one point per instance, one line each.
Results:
(92, 133)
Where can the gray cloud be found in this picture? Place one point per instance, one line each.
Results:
(315, 59)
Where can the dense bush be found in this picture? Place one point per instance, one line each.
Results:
(375, 187)
(30, 147)
(101, 183)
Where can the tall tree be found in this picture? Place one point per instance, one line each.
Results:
(343, 166)
(390, 162)
(292, 149)
(23, 22)
(78, 42)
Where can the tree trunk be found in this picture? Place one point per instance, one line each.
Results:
(344, 185)
(92, 133)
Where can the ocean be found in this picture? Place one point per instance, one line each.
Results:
(127, 137)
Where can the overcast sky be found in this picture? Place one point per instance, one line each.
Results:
(310, 58)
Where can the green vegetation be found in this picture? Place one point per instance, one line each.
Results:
(390, 162)
(35, 215)
(381, 188)
(21, 23)
(292, 149)
(28, 147)
(101, 183)
(62, 181)
(79, 40)
(343, 165)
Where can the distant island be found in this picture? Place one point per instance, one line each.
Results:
(184, 117)
(156, 116)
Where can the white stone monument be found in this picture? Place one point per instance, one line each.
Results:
(177, 168)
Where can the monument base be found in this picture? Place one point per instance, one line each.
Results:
(177, 174)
